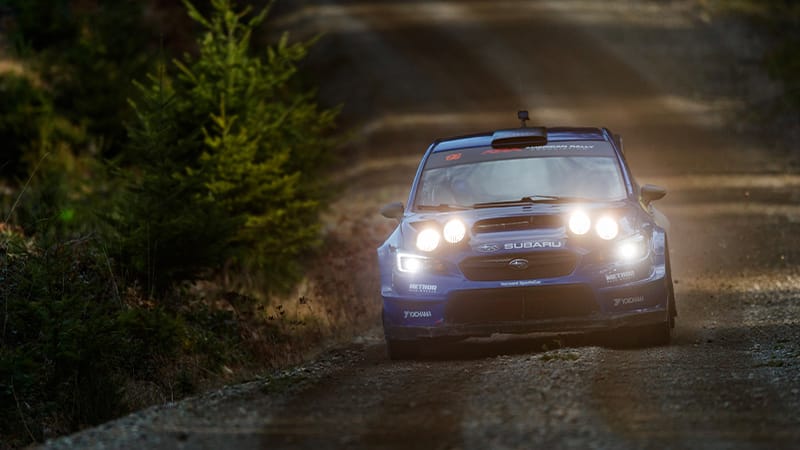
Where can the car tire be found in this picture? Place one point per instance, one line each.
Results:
(671, 305)
(659, 333)
(653, 335)
(402, 350)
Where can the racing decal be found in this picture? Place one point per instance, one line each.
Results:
(533, 244)
(495, 151)
(562, 147)
(620, 276)
(417, 314)
(469, 155)
(421, 288)
(628, 300)
(487, 248)
(520, 283)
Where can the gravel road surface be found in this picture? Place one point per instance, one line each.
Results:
(675, 82)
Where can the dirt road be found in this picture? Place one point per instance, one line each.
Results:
(659, 74)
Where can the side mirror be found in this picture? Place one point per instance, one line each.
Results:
(652, 192)
(393, 210)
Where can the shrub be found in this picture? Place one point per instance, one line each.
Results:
(68, 43)
(68, 341)
(168, 228)
(220, 166)
(225, 161)
(22, 111)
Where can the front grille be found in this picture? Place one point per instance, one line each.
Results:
(517, 223)
(517, 304)
(541, 264)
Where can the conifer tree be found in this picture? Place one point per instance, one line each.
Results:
(170, 228)
(228, 157)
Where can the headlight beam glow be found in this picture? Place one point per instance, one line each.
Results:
(579, 223)
(454, 231)
(428, 240)
(607, 228)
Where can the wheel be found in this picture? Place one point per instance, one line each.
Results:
(653, 335)
(399, 350)
(659, 333)
(672, 307)
(637, 337)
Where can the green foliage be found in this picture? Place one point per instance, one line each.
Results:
(226, 160)
(264, 138)
(784, 64)
(22, 112)
(169, 229)
(69, 43)
(781, 20)
(218, 165)
(69, 342)
(67, 336)
(783, 61)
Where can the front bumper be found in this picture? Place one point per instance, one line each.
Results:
(565, 305)
(590, 323)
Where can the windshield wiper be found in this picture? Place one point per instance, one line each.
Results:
(532, 199)
(443, 207)
(555, 199)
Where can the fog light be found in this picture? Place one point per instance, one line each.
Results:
(410, 263)
(632, 249)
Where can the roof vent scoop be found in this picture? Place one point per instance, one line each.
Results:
(520, 137)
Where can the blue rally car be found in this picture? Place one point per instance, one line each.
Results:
(526, 230)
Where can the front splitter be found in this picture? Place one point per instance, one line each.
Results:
(588, 323)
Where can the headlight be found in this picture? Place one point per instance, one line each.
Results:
(410, 263)
(579, 223)
(454, 231)
(607, 228)
(428, 240)
(632, 249)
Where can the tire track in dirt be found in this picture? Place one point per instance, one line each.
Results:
(377, 403)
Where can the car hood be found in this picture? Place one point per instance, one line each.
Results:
(470, 216)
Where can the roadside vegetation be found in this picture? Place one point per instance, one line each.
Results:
(780, 21)
(156, 197)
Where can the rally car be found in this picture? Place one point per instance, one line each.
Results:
(526, 230)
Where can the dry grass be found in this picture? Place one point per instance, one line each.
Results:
(337, 300)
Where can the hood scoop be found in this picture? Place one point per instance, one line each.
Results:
(517, 223)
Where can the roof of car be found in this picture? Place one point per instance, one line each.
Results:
(556, 134)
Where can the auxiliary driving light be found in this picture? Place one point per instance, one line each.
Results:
(428, 240)
(454, 231)
(579, 223)
(607, 228)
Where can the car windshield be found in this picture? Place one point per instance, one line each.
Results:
(548, 178)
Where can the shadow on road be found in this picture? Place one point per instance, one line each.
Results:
(506, 345)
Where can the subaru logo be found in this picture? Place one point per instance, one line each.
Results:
(487, 248)
(518, 264)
